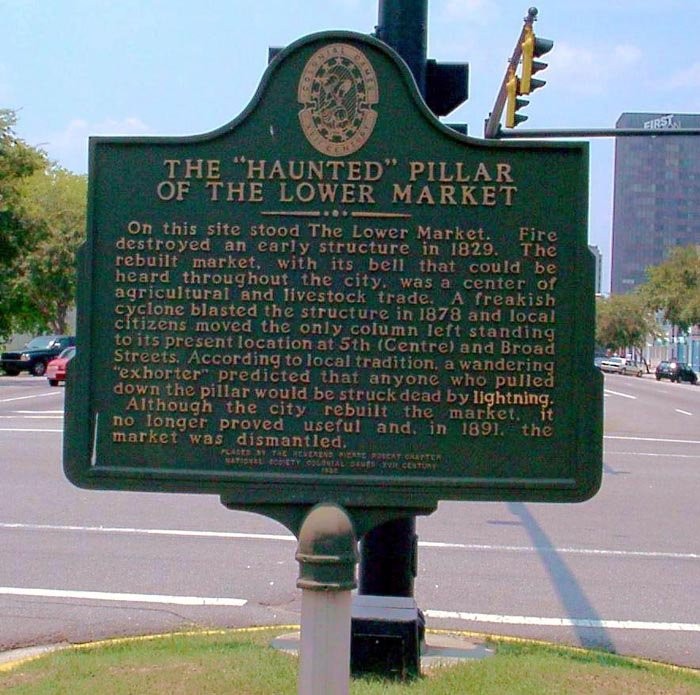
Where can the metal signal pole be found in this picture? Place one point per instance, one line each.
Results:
(388, 553)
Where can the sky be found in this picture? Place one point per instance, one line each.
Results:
(75, 68)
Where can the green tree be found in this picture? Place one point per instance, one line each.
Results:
(18, 161)
(674, 287)
(53, 206)
(623, 321)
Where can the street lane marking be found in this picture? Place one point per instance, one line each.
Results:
(133, 598)
(290, 538)
(617, 393)
(31, 417)
(150, 532)
(683, 412)
(38, 412)
(563, 622)
(652, 439)
(668, 456)
(568, 551)
(26, 429)
(431, 613)
(35, 395)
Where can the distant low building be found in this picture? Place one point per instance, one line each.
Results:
(598, 267)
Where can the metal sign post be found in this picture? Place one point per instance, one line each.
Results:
(327, 557)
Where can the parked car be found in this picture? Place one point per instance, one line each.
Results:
(621, 365)
(37, 353)
(676, 371)
(56, 368)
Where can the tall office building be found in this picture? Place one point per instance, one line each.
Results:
(657, 195)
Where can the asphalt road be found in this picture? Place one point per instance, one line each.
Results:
(621, 571)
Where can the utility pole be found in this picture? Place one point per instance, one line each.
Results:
(388, 553)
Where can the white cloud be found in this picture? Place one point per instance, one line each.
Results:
(588, 71)
(626, 55)
(79, 128)
(6, 92)
(478, 11)
(69, 147)
(688, 77)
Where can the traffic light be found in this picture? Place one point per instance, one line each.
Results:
(446, 86)
(513, 102)
(526, 50)
(532, 47)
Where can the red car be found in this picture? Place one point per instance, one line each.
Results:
(56, 369)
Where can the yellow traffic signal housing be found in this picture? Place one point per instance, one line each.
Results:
(533, 47)
(526, 50)
(513, 103)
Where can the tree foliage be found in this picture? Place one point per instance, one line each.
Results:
(18, 161)
(623, 321)
(53, 209)
(674, 287)
(42, 223)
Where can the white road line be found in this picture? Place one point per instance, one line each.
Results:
(26, 429)
(617, 393)
(150, 532)
(39, 412)
(133, 598)
(568, 551)
(35, 395)
(563, 622)
(667, 456)
(430, 613)
(683, 412)
(651, 439)
(31, 417)
(290, 538)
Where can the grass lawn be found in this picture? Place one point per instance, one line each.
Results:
(240, 662)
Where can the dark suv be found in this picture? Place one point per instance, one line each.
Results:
(676, 371)
(36, 354)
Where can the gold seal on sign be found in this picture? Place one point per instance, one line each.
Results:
(338, 88)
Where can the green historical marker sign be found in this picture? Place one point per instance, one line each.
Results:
(335, 297)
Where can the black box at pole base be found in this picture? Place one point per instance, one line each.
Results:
(387, 634)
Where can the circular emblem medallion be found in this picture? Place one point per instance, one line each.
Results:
(338, 88)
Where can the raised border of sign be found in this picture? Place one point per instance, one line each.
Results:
(246, 489)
